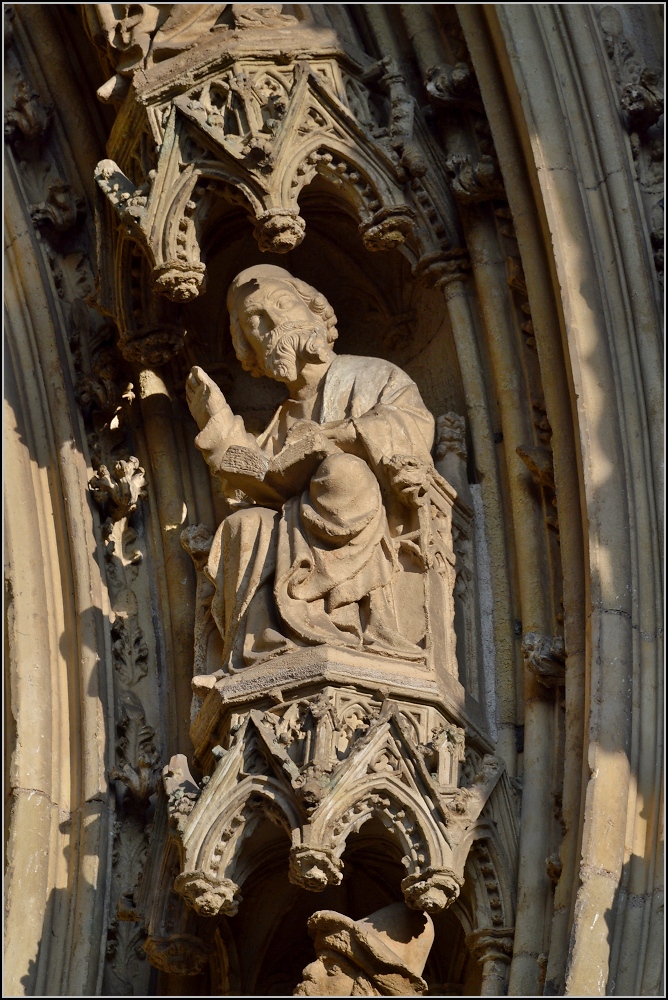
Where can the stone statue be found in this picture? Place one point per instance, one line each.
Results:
(310, 554)
(382, 955)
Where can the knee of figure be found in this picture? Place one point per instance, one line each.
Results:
(345, 484)
(248, 520)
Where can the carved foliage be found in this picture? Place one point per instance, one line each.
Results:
(60, 208)
(27, 116)
(453, 87)
(266, 134)
(121, 489)
(474, 179)
(137, 759)
(118, 492)
(54, 206)
(125, 956)
(450, 435)
(536, 456)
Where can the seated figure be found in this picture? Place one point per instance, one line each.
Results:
(327, 509)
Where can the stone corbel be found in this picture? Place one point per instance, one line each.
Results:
(475, 179)
(314, 868)
(545, 656)
(432, 890)
(453, 87)
(319, 799)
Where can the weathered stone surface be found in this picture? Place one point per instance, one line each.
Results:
(365, 673)
(385, 952)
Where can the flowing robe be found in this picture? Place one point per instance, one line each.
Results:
(320, 571)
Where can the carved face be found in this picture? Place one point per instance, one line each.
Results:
(329, 976)
(283, 332)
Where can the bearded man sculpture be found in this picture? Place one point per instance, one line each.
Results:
(310, 556)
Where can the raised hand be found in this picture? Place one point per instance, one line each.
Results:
(204, 397)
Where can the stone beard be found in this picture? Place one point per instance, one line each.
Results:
(308, 557)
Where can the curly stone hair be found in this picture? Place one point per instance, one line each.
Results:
(314, 299)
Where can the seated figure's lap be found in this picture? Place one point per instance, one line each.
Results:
(344, 488)
(343, 485)
(343, 495)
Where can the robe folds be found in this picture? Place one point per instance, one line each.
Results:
(320, 571)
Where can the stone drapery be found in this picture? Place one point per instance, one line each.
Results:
(330, 550)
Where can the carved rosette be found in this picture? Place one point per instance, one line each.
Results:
(254, 130)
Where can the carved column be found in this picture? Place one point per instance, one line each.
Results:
(477, 185)
(465, 331)
(492, 947)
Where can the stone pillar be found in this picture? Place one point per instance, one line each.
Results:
(493, 948)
